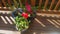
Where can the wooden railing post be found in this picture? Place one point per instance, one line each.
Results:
(0, 3)
(33, 2)
(40, 3)
(52, 3)
(1, 6)
(15, 3)
(4, 3)
(46, 3)
(20, 3)
(57, 5)
(9, 3)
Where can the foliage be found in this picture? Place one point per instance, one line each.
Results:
(21, 22)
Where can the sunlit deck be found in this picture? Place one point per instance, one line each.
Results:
(47, 20)
(43, 24)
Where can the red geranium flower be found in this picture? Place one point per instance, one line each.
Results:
(25, 15)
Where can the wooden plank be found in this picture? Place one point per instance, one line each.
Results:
(0, 3)
(20, 3)
(53, 23)
(9, 3)
(52, 3)
(46, 3)
(15, 3)
(57, 5)
(33, 2)
(40, 22)
(4, 3)
(48, 12)
(9, 32)
(40, 3)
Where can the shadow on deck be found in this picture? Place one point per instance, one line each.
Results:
(41, 24)
(6, 23)
(44, 25)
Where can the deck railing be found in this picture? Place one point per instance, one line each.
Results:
(41, 5)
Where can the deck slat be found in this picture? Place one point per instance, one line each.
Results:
(41, 23)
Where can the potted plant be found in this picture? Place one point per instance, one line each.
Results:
(23, 18)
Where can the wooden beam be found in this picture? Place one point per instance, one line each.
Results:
(48, 12)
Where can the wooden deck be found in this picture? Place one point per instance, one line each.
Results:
(8, 32)
(7, 24)
(47, 20)
(43, 24)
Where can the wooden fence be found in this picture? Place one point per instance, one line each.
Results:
(41, 5)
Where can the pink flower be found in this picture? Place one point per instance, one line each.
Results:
(28, 7)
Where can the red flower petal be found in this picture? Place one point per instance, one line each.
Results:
(25, 15)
